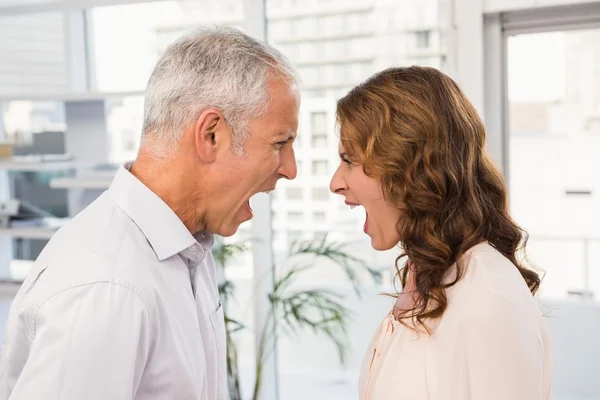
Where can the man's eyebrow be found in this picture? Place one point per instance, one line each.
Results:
(287, 136)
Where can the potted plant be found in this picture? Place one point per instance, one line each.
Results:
(292, 309)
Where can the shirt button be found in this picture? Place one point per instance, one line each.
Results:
(196, 252)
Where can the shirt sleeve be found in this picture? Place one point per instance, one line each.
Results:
(504, 355)
(90, 342)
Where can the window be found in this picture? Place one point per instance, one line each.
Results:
(356, 70)
(23, 119)
(319, 51)
(128, 140)
(320, 168)
(318, 235)
(318, 125)
(306, 52)
(318, 122)
(295, 216)
(320, 73)
(320, 194)
(553, 92)
(319, 216)
(124, 121)
(423, 39)
(359, 47)
(138, 43)
(355, 22)
(279, 28)
(295, 236)
(319, 141)
(339, 49)
(327, 25)
(293, 193)
(33, 55)
(342, 72)
(337, 23)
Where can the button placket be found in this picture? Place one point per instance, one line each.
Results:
(193, 255)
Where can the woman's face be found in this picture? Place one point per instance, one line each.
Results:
(358, 189)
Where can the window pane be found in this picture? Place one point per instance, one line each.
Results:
(124, 120)
(318, 122)
(295, 216)
(294, 236)
(554, 106)
(319, 216)
(320, 194)
(319, 141)
(32, 55)
(293, 193)
(320, 168)
(23, 119)
(422, 39)
(129, 39)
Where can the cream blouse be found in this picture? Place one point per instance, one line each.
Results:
(492, 343)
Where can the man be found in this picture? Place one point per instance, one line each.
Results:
(123, 303)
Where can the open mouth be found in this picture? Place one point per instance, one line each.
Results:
(353, 206)
(249, 207)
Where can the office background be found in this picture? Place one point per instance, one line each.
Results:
(72, 77)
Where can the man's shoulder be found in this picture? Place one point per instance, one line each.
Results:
(101, 245)
(97, 224)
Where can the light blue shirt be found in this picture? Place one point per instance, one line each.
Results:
(121, 304)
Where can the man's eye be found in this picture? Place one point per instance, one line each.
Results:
(280, 144)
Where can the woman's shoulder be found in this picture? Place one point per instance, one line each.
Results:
(486, 268)
(490, 282)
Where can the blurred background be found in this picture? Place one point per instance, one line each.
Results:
(72, 79)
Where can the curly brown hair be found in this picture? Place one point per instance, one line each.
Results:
(414, 130)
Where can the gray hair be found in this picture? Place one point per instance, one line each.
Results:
(211, 67)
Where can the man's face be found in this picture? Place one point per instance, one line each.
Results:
(268, 156)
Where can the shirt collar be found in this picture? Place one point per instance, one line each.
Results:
(165, 232)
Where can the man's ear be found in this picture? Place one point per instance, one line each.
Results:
(211, 133)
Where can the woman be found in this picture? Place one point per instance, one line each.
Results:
(466, 325)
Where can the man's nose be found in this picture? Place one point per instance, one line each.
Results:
(288, 169)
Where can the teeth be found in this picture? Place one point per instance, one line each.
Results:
(352, 207)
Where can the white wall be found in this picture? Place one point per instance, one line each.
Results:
(466, 52)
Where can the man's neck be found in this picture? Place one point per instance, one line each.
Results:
(166, 179)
